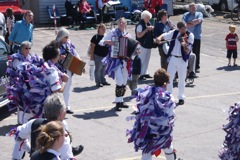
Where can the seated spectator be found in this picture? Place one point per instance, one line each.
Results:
(84, 10)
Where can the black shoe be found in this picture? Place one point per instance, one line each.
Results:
(106, 84)
(142, 78)
(192, 75)
(198, 70)
(77, 150)
(99, 85)
(148, 76)
(122, 105)
(180, 102)
(118, 106)
(69, 111)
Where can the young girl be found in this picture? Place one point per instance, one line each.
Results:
(152, 130)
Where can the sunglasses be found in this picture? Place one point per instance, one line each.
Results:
(27, 48)
(66, 37)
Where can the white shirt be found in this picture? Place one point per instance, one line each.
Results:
(177, 47)
(109, 36)
(25, 133)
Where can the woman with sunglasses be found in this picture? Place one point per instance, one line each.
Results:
(66, 47)
(15, 61)
(117, 67)
(49, 141)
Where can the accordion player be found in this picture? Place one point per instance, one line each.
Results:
(123, 47)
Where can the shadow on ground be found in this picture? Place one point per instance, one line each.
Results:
(97, 114)
(84, 89)
(229, 68)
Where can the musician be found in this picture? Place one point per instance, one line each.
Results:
(179, 50)
(144, 34)
(66, 47)
(117, 67)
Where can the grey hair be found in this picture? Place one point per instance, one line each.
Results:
(62, 32)
(192, 4)
(146, 14)
(181, 24)
(53, 105)
(25, 44)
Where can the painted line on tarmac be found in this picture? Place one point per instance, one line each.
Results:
(160, 157)
(132, 104)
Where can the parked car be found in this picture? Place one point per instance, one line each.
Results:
(4, 52)
(16, 7)
(223, 5)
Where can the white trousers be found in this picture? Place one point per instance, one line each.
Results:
(167, 152)
(121, 77)
(66, 92)
(145, 57)
(180, 66)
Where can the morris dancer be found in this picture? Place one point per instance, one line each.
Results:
(66, 47)
(231, 142)
(32, 80)
(179, 50)
(152, 130)
(117, 67)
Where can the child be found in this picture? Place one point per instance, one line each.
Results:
(136, 71)
(152, 130)
(231, 45)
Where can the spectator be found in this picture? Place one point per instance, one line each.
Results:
(84, 10)
(97, 54)
(49, 141)
(10, 23)
(24, 26)
(144, 34)
(194, 20)
(54, 110)
(179, 51)
(163, 25)
(100, 5)
(231, 45)
(69, 11)
(66, 47)
(152, 6)
(2, 25)
(136, 71)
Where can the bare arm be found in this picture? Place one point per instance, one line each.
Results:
(92, 50)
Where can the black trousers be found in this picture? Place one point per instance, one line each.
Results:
(196, 51)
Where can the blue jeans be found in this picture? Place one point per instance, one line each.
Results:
(99, 70)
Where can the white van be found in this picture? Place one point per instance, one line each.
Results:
(223, 5)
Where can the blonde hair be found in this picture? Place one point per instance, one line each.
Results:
(48, 135)
(232, 28)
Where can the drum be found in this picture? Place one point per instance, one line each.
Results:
(74, 64)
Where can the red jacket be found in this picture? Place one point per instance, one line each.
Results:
(84, 8)
(150, 6)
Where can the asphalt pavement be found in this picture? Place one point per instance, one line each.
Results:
(198, 133)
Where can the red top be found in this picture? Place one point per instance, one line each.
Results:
(151, 4)
(84, 8)
(231, 39)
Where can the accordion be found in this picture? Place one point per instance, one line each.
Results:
(74, 64)
(119, 49)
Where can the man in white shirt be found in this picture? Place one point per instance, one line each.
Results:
(181, 42)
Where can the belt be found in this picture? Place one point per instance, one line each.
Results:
(177, 56)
